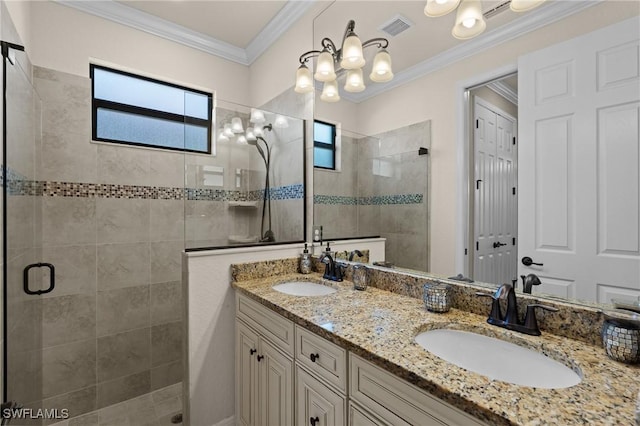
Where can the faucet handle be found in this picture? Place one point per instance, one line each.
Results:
(530, 321)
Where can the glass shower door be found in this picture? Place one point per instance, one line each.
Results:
(25, 277)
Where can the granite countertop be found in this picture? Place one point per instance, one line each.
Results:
(380, 326)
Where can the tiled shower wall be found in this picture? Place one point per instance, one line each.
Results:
(381, 189)
(112, 328)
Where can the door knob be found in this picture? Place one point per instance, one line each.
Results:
(527, 261)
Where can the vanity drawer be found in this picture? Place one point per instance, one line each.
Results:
(323, 358)
(276, 328)
(384, 393)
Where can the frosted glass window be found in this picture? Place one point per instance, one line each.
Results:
(137, 110)
(324, 145)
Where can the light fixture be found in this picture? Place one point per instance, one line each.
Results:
(241, 140)
(330, 91)
(222, 137)
(524, 5)
(354, 82)
(381, 71)
(257, 116)
(227, 130)
(280, 122)
(236, 125)
(469, 18)
(251, 136)
(435, 8)
(333, 62)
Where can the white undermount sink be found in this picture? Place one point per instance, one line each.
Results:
(304, 288)
(497, 359)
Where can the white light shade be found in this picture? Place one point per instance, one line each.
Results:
(257, 131)
(227, 130)
(222, 137)
(242, 140)
(381, 71)
(236, 125)
(352, 56)
(281, 122)
(304, 82)
(435, 8)
(257, 116)
(250, 135)
(330, 92)
(324, 67)
(524, 5)
(354, 82)
(469, 20)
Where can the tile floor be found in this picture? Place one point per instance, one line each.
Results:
(152, 409)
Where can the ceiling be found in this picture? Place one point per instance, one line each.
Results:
(241, 30)
(233, 22)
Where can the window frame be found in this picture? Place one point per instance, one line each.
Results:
(324, 145)
(148, 112)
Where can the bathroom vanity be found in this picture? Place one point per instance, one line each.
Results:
(350, 357)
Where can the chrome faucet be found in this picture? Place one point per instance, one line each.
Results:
(332, 271)
(511, 319)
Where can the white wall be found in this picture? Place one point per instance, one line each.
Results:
(19, 12)
(211, 323)
(66, 40)
(434, 97)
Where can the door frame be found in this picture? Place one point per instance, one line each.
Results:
(463, 260)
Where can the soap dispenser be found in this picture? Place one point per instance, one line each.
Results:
(306, 263)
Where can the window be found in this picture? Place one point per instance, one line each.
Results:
(324, 145)
(135, 110)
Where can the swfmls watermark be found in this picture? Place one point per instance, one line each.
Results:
(35, 413)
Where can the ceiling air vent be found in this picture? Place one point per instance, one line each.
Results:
(395, 25)
(496, 10)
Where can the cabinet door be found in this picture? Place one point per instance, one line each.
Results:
(246, 375)
(276, 386)
(361, 417)
(316, 404)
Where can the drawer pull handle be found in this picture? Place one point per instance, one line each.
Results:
(314, 420)
(314, 357)
(252, 351)
(260, 357)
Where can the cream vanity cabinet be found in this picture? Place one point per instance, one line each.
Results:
(288, 375)
(264, 366)
(321, 381)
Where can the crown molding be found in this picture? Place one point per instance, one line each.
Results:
(284, 19)
(534, 20)
(134, 18)
(503, 90)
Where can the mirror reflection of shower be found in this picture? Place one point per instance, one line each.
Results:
(250, 189)
(252, 139)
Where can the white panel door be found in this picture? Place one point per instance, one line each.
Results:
(578, 205)
(495, 213)
(485, 135)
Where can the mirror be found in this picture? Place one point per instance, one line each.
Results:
(232, 184)
(435, 98)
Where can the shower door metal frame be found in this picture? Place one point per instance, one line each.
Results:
(5, 56)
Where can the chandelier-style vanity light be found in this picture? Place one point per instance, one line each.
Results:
(349, 59)
(469, 19)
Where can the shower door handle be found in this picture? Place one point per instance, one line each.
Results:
(52, 278)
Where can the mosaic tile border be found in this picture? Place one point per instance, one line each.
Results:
(377, 200)
(18, 185)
